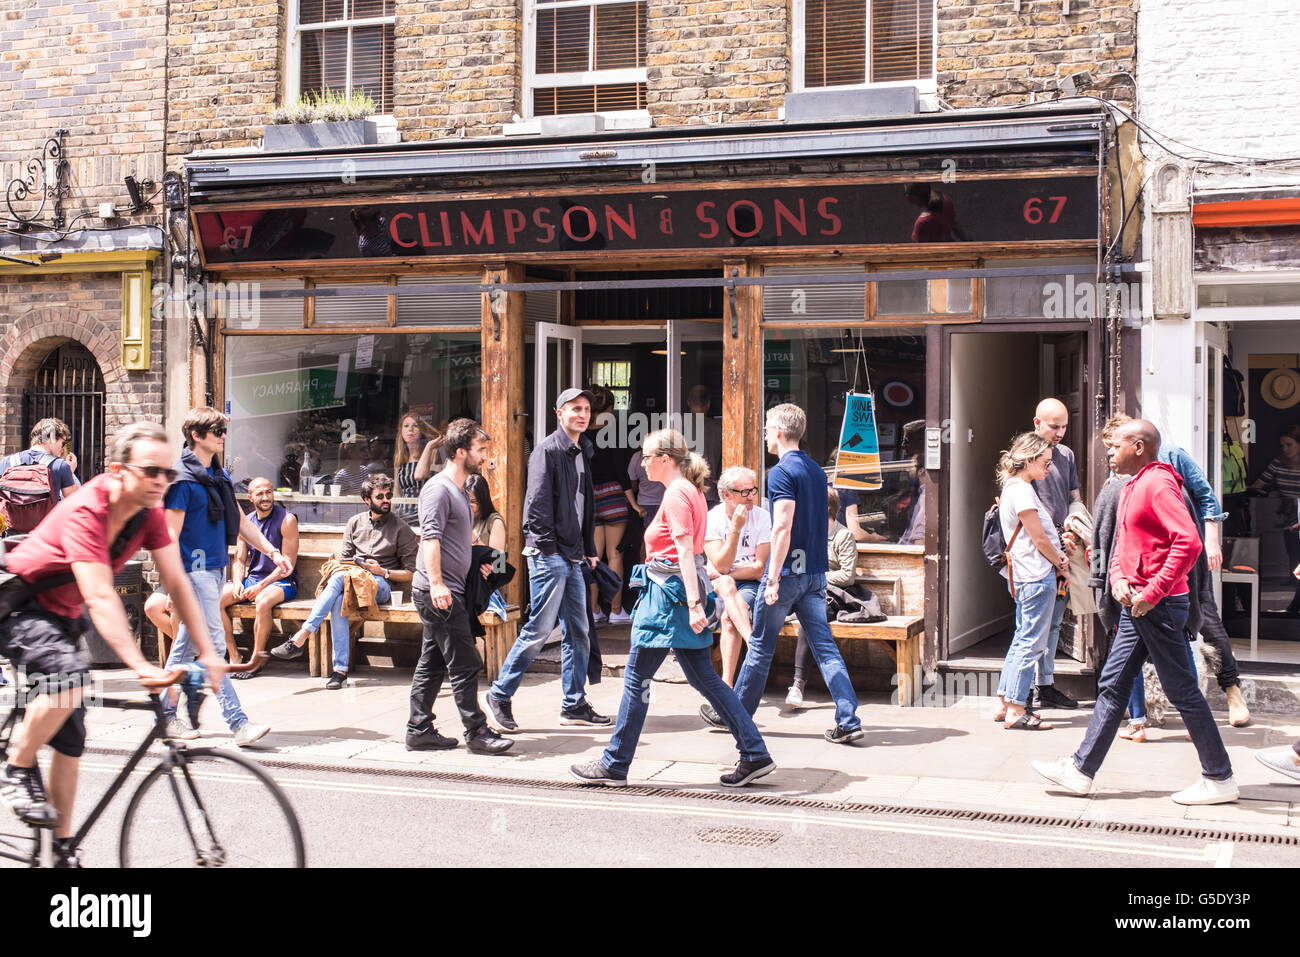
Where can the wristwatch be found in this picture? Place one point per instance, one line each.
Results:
(693, 603)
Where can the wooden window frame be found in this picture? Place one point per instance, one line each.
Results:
(798, 45)
(534, 80)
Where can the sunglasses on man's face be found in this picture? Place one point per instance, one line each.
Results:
(219, 431)
(153, 471)
(381, 496)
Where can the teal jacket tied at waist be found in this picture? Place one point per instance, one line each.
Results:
(660, 618)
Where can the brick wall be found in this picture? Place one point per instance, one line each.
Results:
(457, 63)
(989, 55)
(723, 60)
(224, 72)
(95, 69)
(1221, 80)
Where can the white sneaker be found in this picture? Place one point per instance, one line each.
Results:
(1283, 762)
(599, 618)
(1206, 791)
(620, 618)
(794, 697)
(249, 733)
(1064, 774)
(180, 731)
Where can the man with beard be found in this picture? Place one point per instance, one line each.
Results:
(446, 550)
(377, 545)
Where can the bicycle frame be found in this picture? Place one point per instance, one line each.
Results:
(157, 733)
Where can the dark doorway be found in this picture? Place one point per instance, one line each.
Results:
(69, 386)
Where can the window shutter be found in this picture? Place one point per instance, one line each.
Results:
(372, 64)
(564, 44)
(835, 44)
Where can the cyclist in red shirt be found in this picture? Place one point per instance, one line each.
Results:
(41, 637)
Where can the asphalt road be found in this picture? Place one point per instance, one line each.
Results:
(400, 820)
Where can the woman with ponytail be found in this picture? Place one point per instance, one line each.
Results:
(673, 612)
(1034, 558)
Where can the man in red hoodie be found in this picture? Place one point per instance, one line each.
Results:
(1156, 545)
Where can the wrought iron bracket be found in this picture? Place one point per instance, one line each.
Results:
(47, 176)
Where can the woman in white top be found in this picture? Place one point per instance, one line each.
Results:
(1036, 557)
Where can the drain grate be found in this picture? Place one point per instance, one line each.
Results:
(755, 799)
(737, 836)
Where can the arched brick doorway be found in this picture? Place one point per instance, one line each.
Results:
(69, 386)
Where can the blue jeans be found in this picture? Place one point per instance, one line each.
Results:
(1159, 635)
(806, 594)
(207, 585)
(1036, 610)
(329, 604)
(1045, 666)
(558, 593)
(1137, 699)
(698, 668)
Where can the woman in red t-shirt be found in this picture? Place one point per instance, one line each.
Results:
(672, 613)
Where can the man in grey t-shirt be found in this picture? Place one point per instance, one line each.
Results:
(1056, 492)
(446, 540)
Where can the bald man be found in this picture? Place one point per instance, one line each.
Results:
(1156, 545)
(1056, 492)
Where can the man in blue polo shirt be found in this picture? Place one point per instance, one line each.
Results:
(204, 518)
(796, 576)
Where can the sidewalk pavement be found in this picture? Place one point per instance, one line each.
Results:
(942, 757)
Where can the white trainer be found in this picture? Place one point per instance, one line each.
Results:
(1206, 791)
(1064, 774)
(180, 731)
(249, 733)
(1282, 761)
(794, 697)
(619, 618)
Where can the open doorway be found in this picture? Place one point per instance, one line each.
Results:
(1252, 416)
(997, 380)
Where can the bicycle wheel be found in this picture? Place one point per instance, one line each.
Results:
(210, 809)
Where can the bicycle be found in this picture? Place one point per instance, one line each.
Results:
(167, 823)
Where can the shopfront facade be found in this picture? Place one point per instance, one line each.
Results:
(769, 264)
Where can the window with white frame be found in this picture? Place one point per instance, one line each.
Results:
(861, 42)
(585, 56)
(342, 46)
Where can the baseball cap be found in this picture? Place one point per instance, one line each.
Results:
(568, 395)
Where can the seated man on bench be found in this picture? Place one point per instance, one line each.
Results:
(379, 550)
(737, 539)
(261, 582)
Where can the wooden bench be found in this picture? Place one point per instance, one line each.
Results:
(320, 647)
(902, 633)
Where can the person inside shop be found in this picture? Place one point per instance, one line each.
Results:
(912, 499)
(418, 443)
(489, 529)
(258, 580)
(609, 484)
(379, 551)
(1282, 477)
(352, 464)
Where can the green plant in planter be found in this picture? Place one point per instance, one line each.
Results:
(331, 106)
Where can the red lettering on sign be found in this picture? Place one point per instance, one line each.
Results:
(612, 219)
(392, 231)
(477, 235)
(824, 211)
(548, 231)
(567, 223)
(734, 226)
(446, 228)
(783, 213)
(709, 221)
(425, 238)
(666, 222)
(515, 222)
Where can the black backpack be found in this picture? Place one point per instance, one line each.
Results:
(992, 541)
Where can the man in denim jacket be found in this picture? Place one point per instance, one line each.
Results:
(558, 524)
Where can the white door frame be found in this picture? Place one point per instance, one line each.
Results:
(543, 389)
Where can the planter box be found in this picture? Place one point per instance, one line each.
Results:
(314, 136)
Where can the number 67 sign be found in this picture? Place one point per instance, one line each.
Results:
(1034, 209)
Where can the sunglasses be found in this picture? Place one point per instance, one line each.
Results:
(153, 471)
(646, 458)
(219, 431)
(381, 496)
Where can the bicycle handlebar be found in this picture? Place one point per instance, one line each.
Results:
(179, 674)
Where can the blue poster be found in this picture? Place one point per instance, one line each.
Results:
(857, 462)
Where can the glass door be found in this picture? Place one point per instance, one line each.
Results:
(558, 366)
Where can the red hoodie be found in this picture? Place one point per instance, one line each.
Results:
(1156, 542)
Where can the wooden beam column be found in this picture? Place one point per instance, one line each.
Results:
(742, 368)
(503, 407)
